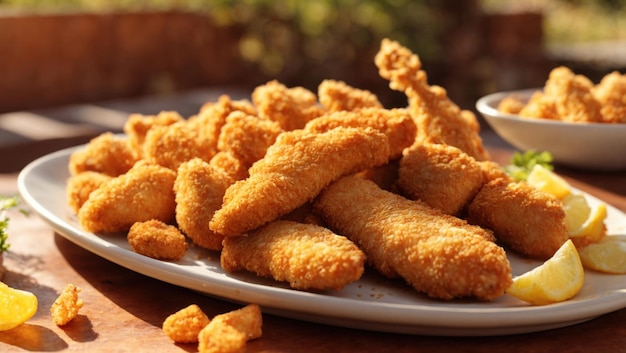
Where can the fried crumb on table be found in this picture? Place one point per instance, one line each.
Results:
(66, 306)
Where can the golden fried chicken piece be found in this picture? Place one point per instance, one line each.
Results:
(157, 240)
(106, 153)
(247, 320)
(439, 255)
(438, 119)
(492, 171)
(221, 339)
(172, 145)
(396, 124)
(145, 192)
(184, 325)
(308, 257)
(229, 164)
(510, 105)
(137, 126)
(540, 106)
(247, 137)
(65, 308)
(80, 186)
(199, 189)
(572, 96)
(294, 170)
(385, 176)
(522, 218)
(611, 93)
(338, 96)
(292, 107)
(441, 176)
(212, 117)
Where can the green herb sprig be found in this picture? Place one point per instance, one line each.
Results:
(521, 164)
(6, 203)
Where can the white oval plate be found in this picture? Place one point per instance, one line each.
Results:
(372, 303)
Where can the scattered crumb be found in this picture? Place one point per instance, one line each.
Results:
(184, 325)
(66, 306)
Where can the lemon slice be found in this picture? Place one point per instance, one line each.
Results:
(593, 229)
(559, 278)
(16, 307)
(608, 255)
(577, 212)
(546, 180)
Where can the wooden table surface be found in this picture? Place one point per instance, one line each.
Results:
(124, 310)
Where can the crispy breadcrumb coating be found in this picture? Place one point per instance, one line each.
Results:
(247, 320)
(66, 306)
(144, 193)
(172, 145)
(157, 240)
(107, 154)
(540, 106)
(294, 170)
(338, 96)
(137, 126)
(79, 187)
(511, 105)
(230, 165)
(442, 176)
(396, 124)
(185, 325)
(611, 93)
(572, 96)
(292, 107)
(522, 218)
(229, 332)
(199, 189)
(438, 119)
(308, 257)
(439, 255)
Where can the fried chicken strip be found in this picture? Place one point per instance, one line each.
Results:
(339, 96)
(106, 153)
(439, 255)
(438, 119)
(308, 257)
(523, 218)
(294, 170)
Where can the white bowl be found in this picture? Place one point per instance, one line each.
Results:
(593, 146)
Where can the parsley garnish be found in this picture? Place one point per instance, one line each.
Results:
(6, 203)
(522, 163)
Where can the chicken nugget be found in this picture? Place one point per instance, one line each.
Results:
(292, 107)
(145, 192)
(437, 254)
(438, 119)
(157, 240)
(396, 124)
(137, 126)
(172, 145)
(107, 154)
(66, 306)
(247, 137)
(523, 218)
(294, 170)
(199, 189)
(185, 325)
(79, 187)
(540, 106)
(443, 177)
(611, 93)
(511, 105)
(307, 256)
(338, 96)
(247, 320)
(572, 96)
(221, 339)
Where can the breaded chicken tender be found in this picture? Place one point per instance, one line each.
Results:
(66, 306)
(137, 126)
(294, 170)
(437, 254)
(145, 192)
(247, 137)
(212, 117)
(438, 119)
(522, 218)
(396, 124)
(199, 189)
(292, 107)
(572, 96)
(611, 93)
(184, 325)
(157, 240)
(307, 256)
(79, 187)
(172, 145)
(107, 154)
(441, 176)
(339, 96)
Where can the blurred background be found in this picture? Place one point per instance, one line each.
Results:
(56, 52)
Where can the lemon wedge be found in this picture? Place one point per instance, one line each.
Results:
(608, 255)
(16, 307)
(577, 211)
(546, 180)
(593, 229)
(559, 278)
